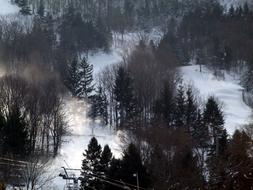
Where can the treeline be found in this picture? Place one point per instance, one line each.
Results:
(32, 123)
(215, 36)
(60, 40)
(100, 170)
(118, 15)
(31, 116)
(176, 165)
(128, 91)
(181, 141)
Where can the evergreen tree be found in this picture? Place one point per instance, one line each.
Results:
(91, 166)
(114, 172)
(217, 164)
(85, 86)
(15, 134)
(41, 9)
(200, 132)
(180, 112)
(165, 107)
(213, 119)
(73, 78)
(106, 158)
(125, 98)
(185, 171)
(99, 106)
(191, 110)
(239, 162)
(25, 8)
(131, 165)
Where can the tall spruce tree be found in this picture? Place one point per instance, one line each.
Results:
(214, 120)
(99, 106)
(180, 112)
(132, 165)
(73, 77)
(106, 158)
(191, 110)
(127, 109)
(15, 134)
(91, 166)
(85, 74)
(164, 107)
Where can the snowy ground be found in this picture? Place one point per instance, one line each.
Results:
(82, 130)
(76, 111)
(121, 46)
(228, 91)
(7, 8)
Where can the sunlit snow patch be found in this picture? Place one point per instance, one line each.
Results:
(228, 91)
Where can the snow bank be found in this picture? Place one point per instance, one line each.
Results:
(7, 8)
(228, 91)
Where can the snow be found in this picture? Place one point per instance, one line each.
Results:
(82, 130)
(121, 46)
(7, 8)
(228, 91)
(100, 60)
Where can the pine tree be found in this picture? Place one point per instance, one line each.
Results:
(25, 8)
(239, 162)
(132, 164)
(165, 107)
(15, 134)
(217, 164)
(99, 106)
(106, 158)
(85, 71)
(91, 166)
(191, 110)
(180, 112)
(73, 78)
(41, 9)
(213, 119)
(125, 98)
(200, 132)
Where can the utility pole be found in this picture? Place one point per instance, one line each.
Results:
(137, 180)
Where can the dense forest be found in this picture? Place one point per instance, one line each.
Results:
(172, 138)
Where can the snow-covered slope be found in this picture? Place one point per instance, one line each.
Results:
(82, 130)
(7, 8)
(228, 91)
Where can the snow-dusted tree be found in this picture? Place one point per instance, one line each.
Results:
(85, 86)
(99, 106)
(73, 78)
(213, 119)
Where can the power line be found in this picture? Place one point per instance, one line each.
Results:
(104, 177)
(11, 160)
(115, 184)
(129, 184)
